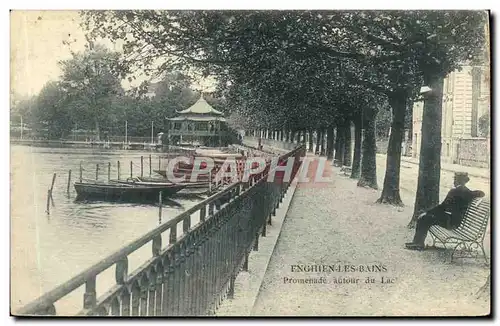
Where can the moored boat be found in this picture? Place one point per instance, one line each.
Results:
(125, 191)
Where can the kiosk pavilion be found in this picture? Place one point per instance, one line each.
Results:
(200, 123)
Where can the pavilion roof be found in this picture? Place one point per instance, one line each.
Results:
(192, 117)
(201, 107)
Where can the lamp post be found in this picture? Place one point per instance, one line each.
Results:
(126, 128)
(152, 128)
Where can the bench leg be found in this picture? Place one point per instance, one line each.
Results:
(461, 243)
(434, 238)
(484, 254)
(469, 248)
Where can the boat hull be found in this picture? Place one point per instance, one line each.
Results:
(124, 192)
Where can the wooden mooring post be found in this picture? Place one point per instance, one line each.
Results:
(69, 181)
(142, 166)
(159, 162)
(97, 171)
(52, 185)
(109, 171)
(47, 210)
(150, 167)
(131, 169)
(81, 171)
(49, 193)
(118, 166)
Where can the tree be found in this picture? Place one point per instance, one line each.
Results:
(51, 111)
(356, 160)
(22, 106)
(93, 79)
(174, 93)
(368, 177)
(383, 122)
(446, 40)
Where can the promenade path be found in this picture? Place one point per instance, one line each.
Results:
(337, 223)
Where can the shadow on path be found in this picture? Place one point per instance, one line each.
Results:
(339, 225)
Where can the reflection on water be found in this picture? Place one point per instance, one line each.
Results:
(47, 250)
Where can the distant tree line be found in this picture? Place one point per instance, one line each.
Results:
(89, 97)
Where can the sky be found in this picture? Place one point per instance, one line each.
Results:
(37, 47)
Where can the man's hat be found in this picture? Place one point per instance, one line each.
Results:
(462, 176)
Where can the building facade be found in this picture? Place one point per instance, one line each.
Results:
(466, 98)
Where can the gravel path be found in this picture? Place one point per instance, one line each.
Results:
(337, 223)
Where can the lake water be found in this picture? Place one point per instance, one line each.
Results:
(47, 250)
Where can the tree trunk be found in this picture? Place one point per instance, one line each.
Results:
(390, 192)
(330, 135)
(429, 172)
(368, 176)
(356, 161)
(322, 143)
(287, 135)
(339, 146)
(299, 139)
(311, 141)
(318, 139)
(280, 133)
(292, 136)
(318, 142)
(348, 145)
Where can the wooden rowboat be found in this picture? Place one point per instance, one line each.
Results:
(125, 192)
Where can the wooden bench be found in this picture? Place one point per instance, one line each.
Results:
(470, 233)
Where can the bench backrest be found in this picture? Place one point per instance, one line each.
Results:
(476, 217)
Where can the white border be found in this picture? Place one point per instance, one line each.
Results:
(184, 4)
(254, 4)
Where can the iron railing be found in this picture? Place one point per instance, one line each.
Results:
(196, 270)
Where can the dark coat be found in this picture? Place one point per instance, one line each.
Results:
(456, 203)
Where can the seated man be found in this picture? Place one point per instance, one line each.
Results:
(448, 214)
